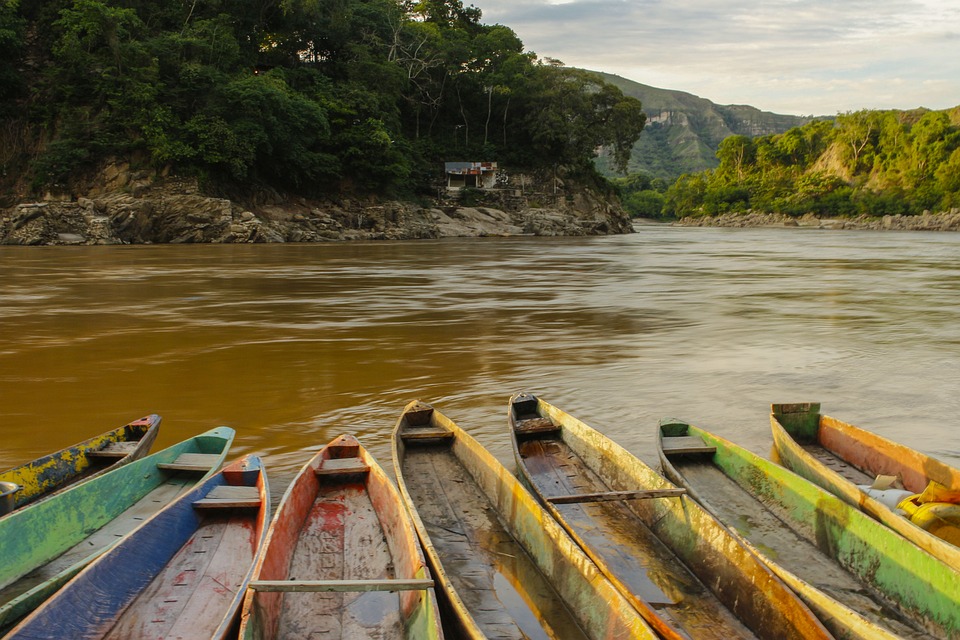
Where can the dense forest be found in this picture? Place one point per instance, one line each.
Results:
(305, 95)
(870, 163)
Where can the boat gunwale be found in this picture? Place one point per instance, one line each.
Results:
(307, 475)
(177, 511)
(25, 602)
(825, 604)
(32, 489)
(555, 535)
(794, 457)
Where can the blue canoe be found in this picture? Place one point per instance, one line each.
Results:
(182, 574)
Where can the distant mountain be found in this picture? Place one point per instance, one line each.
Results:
(683, 131)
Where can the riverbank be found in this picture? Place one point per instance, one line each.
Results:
(176, 212)
(945, 221)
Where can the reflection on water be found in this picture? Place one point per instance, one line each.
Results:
(294, 344)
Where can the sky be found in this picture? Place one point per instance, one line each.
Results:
(801, 57)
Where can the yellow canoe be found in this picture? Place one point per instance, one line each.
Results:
(506, 569)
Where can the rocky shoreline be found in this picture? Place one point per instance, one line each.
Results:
(177, 213)
(945, 221)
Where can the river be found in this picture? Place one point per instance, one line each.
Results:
(292, 345)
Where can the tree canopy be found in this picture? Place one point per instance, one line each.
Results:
(308, 95)
(860, 163)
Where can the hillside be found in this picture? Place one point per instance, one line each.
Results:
(683, 131)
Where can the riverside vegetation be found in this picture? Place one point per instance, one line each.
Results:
(873, 169)
(268, 101)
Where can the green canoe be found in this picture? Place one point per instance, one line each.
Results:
(687, 575)
(862, 579)
(848, 461)
(45, 544)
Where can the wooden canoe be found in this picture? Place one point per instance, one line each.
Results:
(341, 559)
(182, 574)
(847, 460)
(506, 568)
(45, 544)
(88, 459)
(659, 548)
(862, 579)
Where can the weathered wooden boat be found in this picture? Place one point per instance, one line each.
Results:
(861, 578)
(41, 477)
(182, 574)
(506, 568)
(914, 494)
(341, 559)
(657, 546)
(45, 544)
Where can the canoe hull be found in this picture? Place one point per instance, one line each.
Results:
(596, 606)
(915, 584)
(746, 587)
(342, 522)
(56, 471)
(858, 456)
(141, 583)
(47, 543)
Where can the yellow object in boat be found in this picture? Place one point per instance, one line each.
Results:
(936, 492)
(942, 519)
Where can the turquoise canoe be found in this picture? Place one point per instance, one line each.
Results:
(45, 544)
(182, 574)
(39, 478)
(682, 569)
(861, 578)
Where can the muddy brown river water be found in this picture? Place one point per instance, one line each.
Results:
(292, 345)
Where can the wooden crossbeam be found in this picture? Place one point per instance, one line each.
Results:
(113, 450)
(191, 462)
(426, 434)
(608, 496)
(340, 585)
(685, 444)
(229, 497)
(341, 466)
(535, 425)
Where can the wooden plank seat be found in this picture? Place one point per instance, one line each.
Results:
(114, 450)
(191, 462)
(341, 466)
(608, 496)
(535, 425)
(229, 497)
(426, 433)
(341, 585)
(678, 445)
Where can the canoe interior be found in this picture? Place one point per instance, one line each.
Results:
(620, 539)
(845, 459)
(499, 584)
(824, 543)
(182, 575)
(506, 568)
(341, 519)
(56, 471)
(668, 541)
(49, 542)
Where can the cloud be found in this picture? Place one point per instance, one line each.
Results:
(810, 56)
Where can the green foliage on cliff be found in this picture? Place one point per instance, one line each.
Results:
(683, 131)
(863, 163)
(316, 96)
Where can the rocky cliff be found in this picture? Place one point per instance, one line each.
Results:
(138, 210)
